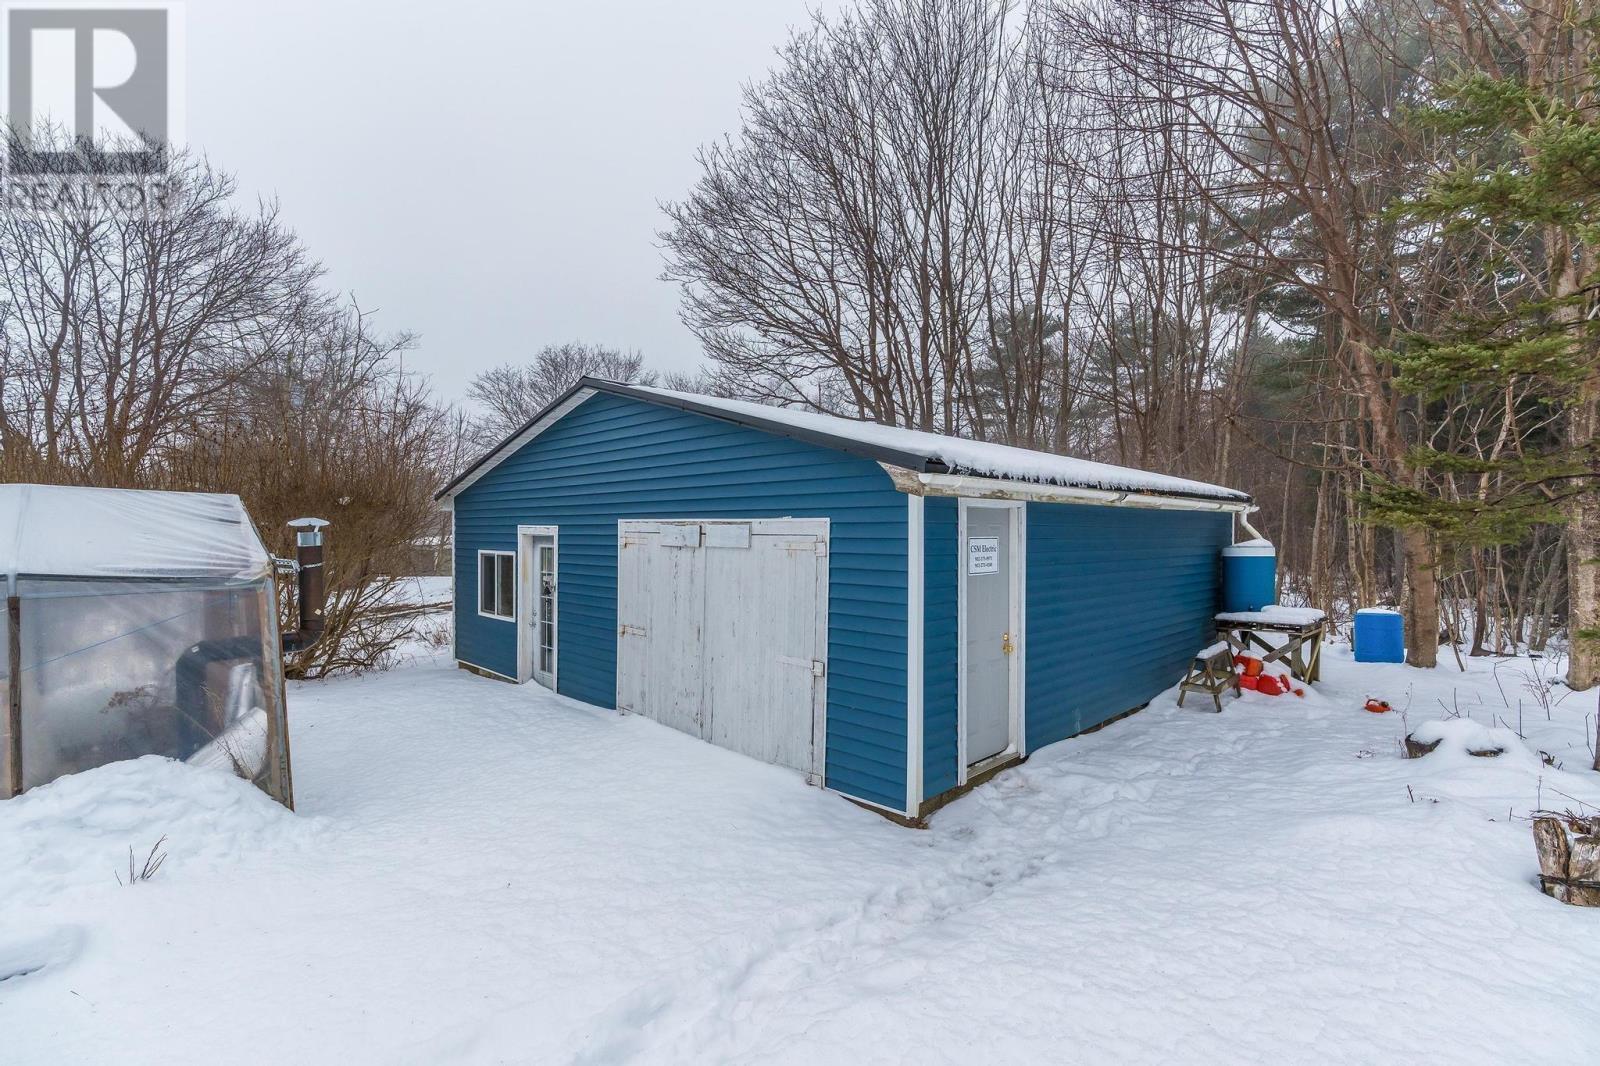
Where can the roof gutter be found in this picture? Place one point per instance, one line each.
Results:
(923, 484)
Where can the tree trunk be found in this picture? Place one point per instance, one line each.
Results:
(1317, 579)
(1583, 547)
(1480, 617)
(1422, 598)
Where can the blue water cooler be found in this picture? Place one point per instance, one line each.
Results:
(1380, 636)
(1249, 576)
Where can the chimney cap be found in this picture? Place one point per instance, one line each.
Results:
(307, 523)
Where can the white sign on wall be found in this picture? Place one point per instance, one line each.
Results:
(983, 555)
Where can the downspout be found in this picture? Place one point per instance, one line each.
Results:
(1244, 520)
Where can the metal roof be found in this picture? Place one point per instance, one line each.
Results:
(911, 449)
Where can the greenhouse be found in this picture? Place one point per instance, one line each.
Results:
(137, 623)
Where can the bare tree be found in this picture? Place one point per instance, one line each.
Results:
(513, 393)
(193, 348)
(118, 327)
(333, 426)
(834, 255)
(1297, 102)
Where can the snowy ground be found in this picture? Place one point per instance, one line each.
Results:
(485, 873)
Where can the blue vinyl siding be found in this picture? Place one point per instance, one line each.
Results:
(941, 572)
(1119, 600)
(616, 458)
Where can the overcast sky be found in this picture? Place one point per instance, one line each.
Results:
(486, 174)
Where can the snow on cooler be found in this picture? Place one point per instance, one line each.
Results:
(487, 873)
(1273, 615)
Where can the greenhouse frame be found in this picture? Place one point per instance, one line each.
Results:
(137, 623)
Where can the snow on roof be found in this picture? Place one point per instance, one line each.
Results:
(960, 455)
(59, 530)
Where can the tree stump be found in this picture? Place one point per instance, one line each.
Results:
(1569, 861)
(1583, 867)
(1416, 749)
(1550, 841)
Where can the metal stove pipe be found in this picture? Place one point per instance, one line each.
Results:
(310, 588)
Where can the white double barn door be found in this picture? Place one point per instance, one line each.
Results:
(723, 633)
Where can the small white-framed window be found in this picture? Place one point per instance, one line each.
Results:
(497, 585)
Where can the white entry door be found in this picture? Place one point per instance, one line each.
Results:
(536, 643)
(991, 636)
(722, 633)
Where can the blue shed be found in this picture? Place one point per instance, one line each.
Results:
(895, 614)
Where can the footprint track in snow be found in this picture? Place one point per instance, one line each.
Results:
(1019, 836)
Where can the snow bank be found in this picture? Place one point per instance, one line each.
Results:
(1465, 736)
(76, 831)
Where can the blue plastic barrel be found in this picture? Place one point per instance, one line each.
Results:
(1380, 636)
(1249, 576)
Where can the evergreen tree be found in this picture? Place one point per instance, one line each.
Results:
(1521, 192)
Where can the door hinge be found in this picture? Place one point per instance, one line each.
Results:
(626, 630)
(816, 666)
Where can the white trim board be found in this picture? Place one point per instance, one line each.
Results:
(916, 483)
(477, 585)
(915, 573)
(527, 574)
(1019, 709)
(455, 586)
(1017, 723)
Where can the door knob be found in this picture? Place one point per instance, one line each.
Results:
(1005, 644)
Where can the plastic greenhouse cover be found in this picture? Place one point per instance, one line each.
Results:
(58, 530)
